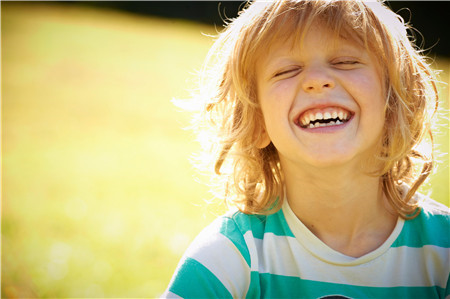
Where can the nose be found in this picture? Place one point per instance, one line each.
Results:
(316, 79)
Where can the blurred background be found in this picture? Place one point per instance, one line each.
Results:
(99, 198)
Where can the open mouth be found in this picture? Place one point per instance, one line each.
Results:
(315, 118)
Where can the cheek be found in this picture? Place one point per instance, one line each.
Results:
(375, 105)
(371, 83)
(276, 100)
(378, 99)
(370, 90)
(275, 107)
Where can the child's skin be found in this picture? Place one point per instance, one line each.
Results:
(319, 164)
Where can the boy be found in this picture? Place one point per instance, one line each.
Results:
(318, 108)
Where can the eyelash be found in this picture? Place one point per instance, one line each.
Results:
(286, 72)
(347, 62)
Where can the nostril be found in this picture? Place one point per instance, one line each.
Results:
(317, 85)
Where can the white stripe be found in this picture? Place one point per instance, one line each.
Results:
(253, 250)
(429, 205)
(168, 294)
(217, 253)
(401, 266)
(434, 207)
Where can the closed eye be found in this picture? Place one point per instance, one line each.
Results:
(290, 73)
(346, 64)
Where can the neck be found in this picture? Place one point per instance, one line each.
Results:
(345, 209)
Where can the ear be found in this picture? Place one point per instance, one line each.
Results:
(263, 140)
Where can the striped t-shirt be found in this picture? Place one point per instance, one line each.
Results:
(276, 256)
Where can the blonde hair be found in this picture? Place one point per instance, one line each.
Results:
(251, 177)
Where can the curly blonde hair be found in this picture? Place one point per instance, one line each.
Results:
(251, 176)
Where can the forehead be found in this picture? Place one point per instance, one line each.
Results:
(291, 43)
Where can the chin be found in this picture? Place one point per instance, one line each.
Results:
(323, 165)
(330, 160)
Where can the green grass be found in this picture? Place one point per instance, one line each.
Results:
(99, 198)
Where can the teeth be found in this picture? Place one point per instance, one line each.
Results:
(319, 125)
(335, 116)
(306, 120)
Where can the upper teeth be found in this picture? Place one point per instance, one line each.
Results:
(333, 116)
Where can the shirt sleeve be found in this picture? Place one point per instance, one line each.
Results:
(213, 266)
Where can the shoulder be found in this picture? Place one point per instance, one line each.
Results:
(238, 231)
(433, 214)
(431, 207)
(428, 206)
(225, 235)
(214, 265)
(217, 264)
(430, 228)
(222, 259)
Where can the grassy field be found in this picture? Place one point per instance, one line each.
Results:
(99, 198)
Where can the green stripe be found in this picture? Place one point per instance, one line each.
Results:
(283, 229)
(230, 230)
(235, 227)
(254, 290)
(193, 280)
(261, 224)
(253, 223)
(447, 290)
(293, 287)
(425, 230)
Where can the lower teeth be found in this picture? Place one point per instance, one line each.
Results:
(331, 123)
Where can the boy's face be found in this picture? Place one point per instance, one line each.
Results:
(323, 101)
